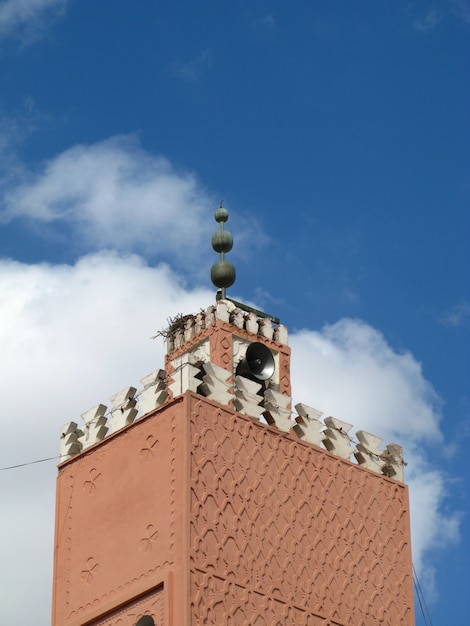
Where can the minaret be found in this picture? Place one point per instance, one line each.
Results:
(200, 500)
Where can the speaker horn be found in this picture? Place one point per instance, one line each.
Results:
(258, 362)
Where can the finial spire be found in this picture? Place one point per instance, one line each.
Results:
(222, 272)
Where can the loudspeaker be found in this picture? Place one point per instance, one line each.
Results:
(258, 362)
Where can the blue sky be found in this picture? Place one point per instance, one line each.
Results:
(336, 134)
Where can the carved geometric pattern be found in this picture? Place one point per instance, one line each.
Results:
(282, 532)
(152, 604)
(226, 357)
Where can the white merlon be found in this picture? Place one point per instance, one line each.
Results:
(394, 464)
(210, 316)
(214, 383)
(281, 334)
(367, 451)
(336, 438)
(123, 412)
(170, 342)
(193, 371)
(308, 425)
(227, 312)
(266, 328)
(189, 329)
(95, 428)
(184, 376)
(251, 323)
(154, 393)
(277, 410)
(200, 322)
(69, 442)
(222, 310)
(237, 318)
(247, 399)
(179, 338)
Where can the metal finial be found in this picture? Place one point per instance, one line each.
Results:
(222, 272)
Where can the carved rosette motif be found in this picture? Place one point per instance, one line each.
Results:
(285, 533)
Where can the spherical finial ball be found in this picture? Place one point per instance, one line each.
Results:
(221, 214)
(223, 274)
(222, 241)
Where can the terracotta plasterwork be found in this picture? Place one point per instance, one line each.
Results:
(294, 527)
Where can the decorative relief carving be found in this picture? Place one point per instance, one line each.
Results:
(151, 536)
(191, 369)
(281, 530)
(148, 451)
(90, 571)
(93, 572)
(89, 486)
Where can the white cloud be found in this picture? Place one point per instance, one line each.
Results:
(193, 70)
(457, 316)
(72, 336)
(354, 374)
(348, 370)
(114, 194)
(428, 22)
(461, 8)
(27, 18)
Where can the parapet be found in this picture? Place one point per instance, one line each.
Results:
(190, 367)
(186, 328)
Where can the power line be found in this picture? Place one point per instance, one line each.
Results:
(51, 458)
(421, 600)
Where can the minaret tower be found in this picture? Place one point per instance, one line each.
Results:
(201, 499)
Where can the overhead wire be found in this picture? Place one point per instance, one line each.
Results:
(421, 600)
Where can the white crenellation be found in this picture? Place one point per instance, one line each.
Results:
(215, 385)
(170, 343)
(308, 425)
(336, 438)
(123, 412)
(281, 334)
(246, 397)
(225, 311)
(277, 410)
(186, 376)
(179, 338)
(394, 464)
(266, 328)
(95, 428)
(367, 451)
(252, 323)
(154, 393)
(189, 328)
(237, 318)
(194, 372)
(69, 441)
(210, 316)
(200, 322)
